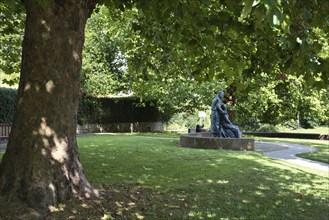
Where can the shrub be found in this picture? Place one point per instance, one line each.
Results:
(268, 128)
(7, 104)
(117, 110)
(289, 124)
(183, 121)
(309, 122)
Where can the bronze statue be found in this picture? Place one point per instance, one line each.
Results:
(215, 114)
(221, 126)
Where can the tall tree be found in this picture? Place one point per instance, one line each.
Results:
(41, 164)
(176, 42)
(103, 68)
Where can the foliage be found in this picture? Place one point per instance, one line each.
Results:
(180, 53)
(281, 101)
(7, 103)
(272, 52)
(11, 35)
(116, 110)
(289, 125)
(188, 43)
(103, 69)
(267, 128)
(183, 121)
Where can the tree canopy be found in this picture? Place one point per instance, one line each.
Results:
(11, 36)
(270, 55)
(182, 52)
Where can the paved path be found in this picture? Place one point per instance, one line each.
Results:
(288, 151)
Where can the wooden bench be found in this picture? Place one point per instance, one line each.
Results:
(5, 129)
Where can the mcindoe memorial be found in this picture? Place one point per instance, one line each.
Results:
(224, 134)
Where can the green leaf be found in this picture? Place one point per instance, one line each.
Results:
(247, 8)
(277, 16)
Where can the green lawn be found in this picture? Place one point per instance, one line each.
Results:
(151, 178)
(156, 179)
(321, 146)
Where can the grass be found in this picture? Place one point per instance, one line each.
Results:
(151, 178)
(322, 146)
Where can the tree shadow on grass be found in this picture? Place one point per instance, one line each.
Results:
(196, 184)
(242, 189)
(258, 191)
(192, 184)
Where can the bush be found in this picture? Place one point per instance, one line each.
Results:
(116, 110)
(8, 104)
(309, 122)
(247, 123)
(289, 124)
(183, 121)
(268, 128)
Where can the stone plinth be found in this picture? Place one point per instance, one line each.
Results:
(204, 140)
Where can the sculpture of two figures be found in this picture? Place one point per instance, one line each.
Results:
(221, 126)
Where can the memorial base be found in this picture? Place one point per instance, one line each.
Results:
(205, 140)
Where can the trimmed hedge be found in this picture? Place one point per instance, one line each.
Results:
(289, 135)
(7, 104)
(94, 110)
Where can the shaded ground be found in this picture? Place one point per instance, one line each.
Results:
(153, 179)
(115, 202)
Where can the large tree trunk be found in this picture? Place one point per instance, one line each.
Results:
(41, 164)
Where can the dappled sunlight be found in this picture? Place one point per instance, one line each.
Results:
(55, 172)
(202, 215)
(222, 181)
(50, 86)
(259, 193)
(76, 56)
(58, 147)
(27, 86)
(200, 183)
(45, 25)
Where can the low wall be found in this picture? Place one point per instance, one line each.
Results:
(204, 140)
(289, 135)
(121, 127)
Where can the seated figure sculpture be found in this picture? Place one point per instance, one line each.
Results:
(221, 126)
(228, 129)
(215, 116)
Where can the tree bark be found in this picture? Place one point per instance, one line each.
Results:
(41, 164)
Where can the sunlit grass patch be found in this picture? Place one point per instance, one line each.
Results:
(151, 178)
(196, 183)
